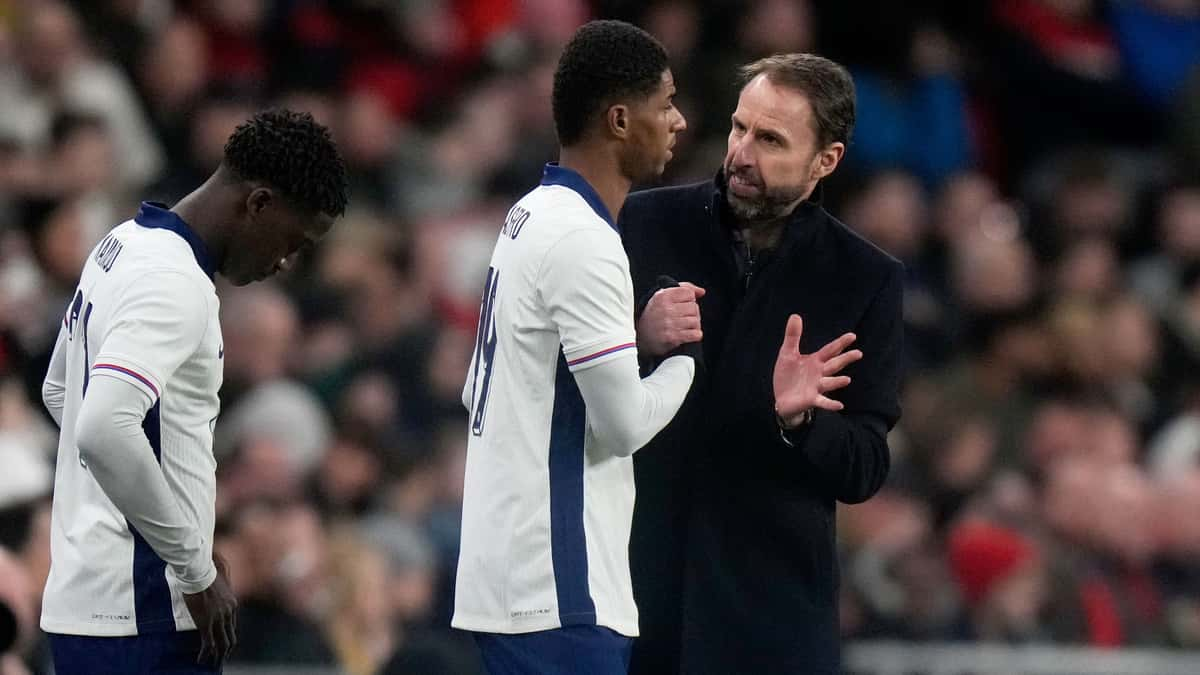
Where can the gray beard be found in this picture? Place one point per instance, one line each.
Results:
(767, 209)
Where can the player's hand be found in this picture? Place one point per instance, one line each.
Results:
(671, 318)
(215, 612)
(802, 380)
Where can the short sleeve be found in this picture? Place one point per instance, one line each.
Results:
(155, 326)
(585, 285)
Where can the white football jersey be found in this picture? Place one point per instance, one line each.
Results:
(145, 312)
(547, 513)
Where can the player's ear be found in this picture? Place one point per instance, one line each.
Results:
(618, 120)
(258, 200)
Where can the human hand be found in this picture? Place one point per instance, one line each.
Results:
(802, 380)
(671, 318)
(215, 612)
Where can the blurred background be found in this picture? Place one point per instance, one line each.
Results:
(1035, 163)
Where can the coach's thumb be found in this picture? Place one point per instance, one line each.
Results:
(792, 334)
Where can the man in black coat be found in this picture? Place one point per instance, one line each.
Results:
(733, 550)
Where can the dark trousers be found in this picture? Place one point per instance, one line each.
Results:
(572, 650)
(155, 654)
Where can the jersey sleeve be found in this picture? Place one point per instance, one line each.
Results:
(54, 386)
(624, 411)
(157, 323)
(585, 285)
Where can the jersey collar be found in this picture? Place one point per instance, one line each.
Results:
(554, 174)
(158, 216)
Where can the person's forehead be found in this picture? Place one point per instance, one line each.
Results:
(666, 81)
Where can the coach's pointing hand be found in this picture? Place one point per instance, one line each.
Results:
(802, 380)
(671, 318)
(215, 612)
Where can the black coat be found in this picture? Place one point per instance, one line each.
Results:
(733, 550)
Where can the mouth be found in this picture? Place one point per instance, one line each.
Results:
(742, 187)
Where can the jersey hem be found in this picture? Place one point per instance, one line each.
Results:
(481, 624)
(88, 629)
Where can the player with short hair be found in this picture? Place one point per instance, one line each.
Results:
(133, 384)
(556, 404)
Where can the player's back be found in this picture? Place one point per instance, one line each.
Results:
(546, 512)
(147, 278)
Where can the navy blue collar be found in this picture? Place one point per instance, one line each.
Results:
(554, 174)
(158, 216)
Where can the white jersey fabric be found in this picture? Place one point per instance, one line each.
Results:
(548, 499)
(146, 313)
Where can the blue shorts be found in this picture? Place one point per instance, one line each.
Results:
(572, 650)
(165, 653)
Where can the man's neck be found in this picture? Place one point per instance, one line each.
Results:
(763, 236)
(601, 171)
(201, 210)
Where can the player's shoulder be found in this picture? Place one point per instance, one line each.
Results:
(562, 219)
(153, 261)
(561, 206)
(159, 249)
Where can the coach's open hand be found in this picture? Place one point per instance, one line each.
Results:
(215, 612)
(671, 318)
(802, 380)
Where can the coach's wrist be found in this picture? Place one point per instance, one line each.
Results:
(788, 429)
(793, 422)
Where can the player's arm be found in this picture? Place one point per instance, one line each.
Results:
(626, 412)
(156, 324)
(54, 387)
(584, 282)
(119, 456)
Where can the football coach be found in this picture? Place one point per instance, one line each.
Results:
(733, 550)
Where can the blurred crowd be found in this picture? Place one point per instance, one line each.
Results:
(1035, 163)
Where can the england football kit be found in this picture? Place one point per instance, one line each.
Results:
(556, 409)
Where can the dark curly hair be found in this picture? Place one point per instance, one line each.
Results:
(293, 153)
(604, 62)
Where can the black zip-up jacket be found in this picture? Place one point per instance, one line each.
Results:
(733, 550)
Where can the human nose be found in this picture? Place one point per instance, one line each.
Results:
(740, 153)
